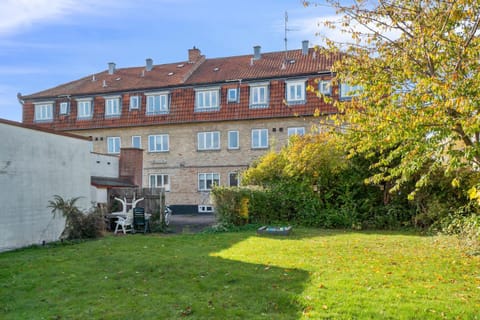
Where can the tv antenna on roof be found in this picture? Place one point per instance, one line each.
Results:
(286, 32)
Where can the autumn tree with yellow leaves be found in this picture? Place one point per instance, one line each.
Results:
(417, 63)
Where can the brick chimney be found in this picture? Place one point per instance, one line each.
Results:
(193, 55)
(131, 165)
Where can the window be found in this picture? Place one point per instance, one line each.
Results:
(233, 179)
(300, 131)
(84, 108)
(158, 143)
(259, 138)
(112, 106)
(208, 140)
(64, 108)
(233, 140)
(348, 91)
(325, 87)
(232, 95)
(157, 103)
(134, 102)
(113, 144)
(295, 92)
(44, 111)
(207, 99)
(160, 181)
(137, 142)
(259, 96)
(207, 180)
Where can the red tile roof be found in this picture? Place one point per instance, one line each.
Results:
(270, 65)
(122, 80)
(181, 79)
(203, 71)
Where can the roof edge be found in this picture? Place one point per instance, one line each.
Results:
(37, 128)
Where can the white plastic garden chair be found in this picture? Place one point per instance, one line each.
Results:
(125, 223)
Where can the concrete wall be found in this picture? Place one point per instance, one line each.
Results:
(35, 166)
(104, 165)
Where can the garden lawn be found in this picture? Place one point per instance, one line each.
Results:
(311, 274)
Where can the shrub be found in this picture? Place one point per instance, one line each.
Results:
(78, 225)
(466, 228)
(231, 205)
(311, 182)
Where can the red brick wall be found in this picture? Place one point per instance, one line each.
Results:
(131, 165)
(182, 109)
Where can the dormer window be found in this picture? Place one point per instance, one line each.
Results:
(295, 91)
(348, 91)
(84, 108)
(207, 99)
(134, 102)
(157, 103)
(325, 87)
(44, 111)
(232, 95)
(112, 106)
(64, 108)
(259, 95)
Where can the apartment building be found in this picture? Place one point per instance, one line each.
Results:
(200, 122)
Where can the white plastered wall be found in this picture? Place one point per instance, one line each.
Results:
(35, 166)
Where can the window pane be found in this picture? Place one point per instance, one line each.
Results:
(216, 140)
(165, 142)
(233, 139)
(136, 142)
(152, 181)
(151, 143)
(233, 179)
(201, 141)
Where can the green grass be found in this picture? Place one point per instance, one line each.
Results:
(312, 274)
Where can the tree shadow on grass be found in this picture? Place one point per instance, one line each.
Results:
(151, 277)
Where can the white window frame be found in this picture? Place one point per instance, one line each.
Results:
(207, 99)
(113, 106)
(233, 95)
(208, 140)
(207, 180)
(348, 91)
(44, 111)
(163, 100)
(257, 135)
(325, 87)
(64, 107)
(139, 140)
(113, 145)
(84, 105)
(259, 100)
(134, 103)
(164, 144)
(295, 91)
(157, 180)
(235, 139)
(300, 131)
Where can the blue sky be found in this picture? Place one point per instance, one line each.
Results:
(44, 43)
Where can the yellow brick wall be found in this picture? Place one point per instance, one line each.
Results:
(183, 162)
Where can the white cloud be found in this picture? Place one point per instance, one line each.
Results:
(316, 27)
(15, 71)
(17, 15)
